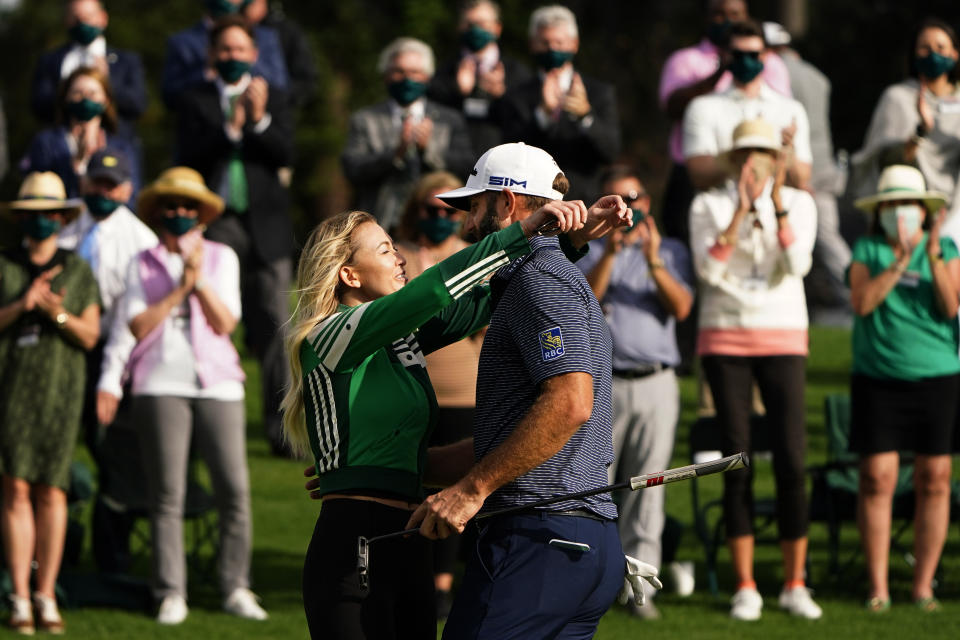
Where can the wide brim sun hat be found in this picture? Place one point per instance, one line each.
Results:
(44, 191)
(181, 182)
(902, 182)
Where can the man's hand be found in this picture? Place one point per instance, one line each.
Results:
(467, 75)
(493, 82)
(606, 214)
(551, 95)
(635, 573)
(256, 96)
(422, 132)
(788, 133)
(238, 117)
(107, 404)
(557, 216)
(447, 512)
(650, 236)
(312, 484)
(576, 102)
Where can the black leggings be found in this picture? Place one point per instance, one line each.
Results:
(400, 600)
(781, 380)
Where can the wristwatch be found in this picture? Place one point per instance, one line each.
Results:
(656, 263)
(781, 214)
(61, 319)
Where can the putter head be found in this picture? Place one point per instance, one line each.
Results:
(363, 561)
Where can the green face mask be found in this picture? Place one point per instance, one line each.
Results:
(232, 70)
(83, 33)
(437, 229)
(220, 8)
(550, 59)
(745, 67)
(717, 32)
(86, 109)
(100, 206)
(179, 225)
(638, 217)
(406, 91)
(39, 226)
(934, 65)
(476, 38)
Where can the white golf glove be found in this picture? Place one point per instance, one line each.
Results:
(635, 572)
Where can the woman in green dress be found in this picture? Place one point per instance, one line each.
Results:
(49, 315)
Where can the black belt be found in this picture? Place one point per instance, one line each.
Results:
(642, 371)
(576, 513)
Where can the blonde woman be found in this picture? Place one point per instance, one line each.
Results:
(362, 404)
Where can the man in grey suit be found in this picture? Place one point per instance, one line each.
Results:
(392, 143)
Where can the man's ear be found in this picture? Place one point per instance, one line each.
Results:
(348, 277)
(510, 203)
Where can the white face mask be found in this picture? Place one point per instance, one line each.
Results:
(890, 217)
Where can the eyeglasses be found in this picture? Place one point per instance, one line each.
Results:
(632, 195)
(174, 205)
(434, 211)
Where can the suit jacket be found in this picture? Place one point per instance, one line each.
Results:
(127, 79)
(299, 57)
(383, 183)
(581, 151)
(485, 131)
(48, 151)
(186, 59)
(204, 145)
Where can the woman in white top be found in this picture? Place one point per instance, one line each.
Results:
(182, 303)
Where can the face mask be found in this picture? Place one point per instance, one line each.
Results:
(476, 38)
(179, 225)
(85, 110)
(745, 67)
(100, 206)
(406, 91)
(232, 70)
(83, 33)
(39, 226)
(550, 59)
(437, 229)
(219, 8)
(891, 216)
(717, 32)
(934, 65)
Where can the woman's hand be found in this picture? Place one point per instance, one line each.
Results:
(746, 187)
(192, 263)
(557, 216)
(933, 238)
(39, 286)
(779, 178)
(924, 110)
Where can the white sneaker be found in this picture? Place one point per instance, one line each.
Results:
(746, 604)
(799, 602)
(682, 577)
(244, 603)
(21, 616)
(173, 610)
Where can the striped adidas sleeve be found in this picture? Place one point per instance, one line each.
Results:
(346, 338)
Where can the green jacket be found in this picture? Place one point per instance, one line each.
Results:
(368, 400)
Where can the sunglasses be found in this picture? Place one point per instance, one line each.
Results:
(740, 52)
(174, 205)
(434, 211)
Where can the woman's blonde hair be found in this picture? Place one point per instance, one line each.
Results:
(330, 246)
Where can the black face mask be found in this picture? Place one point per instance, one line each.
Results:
(717, 32)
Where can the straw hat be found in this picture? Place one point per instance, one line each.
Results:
(900, 182)
(181, 182)
(44, 192)
(750, 134)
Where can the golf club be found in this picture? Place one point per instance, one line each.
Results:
(645, 481)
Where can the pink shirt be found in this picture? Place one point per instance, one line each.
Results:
(693, 64)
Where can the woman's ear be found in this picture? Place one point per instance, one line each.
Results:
(348, 277)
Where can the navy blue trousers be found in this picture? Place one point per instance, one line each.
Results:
(519, 585)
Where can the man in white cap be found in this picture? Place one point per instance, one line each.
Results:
(549, 344)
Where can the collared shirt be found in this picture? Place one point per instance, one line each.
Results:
(110, 245)
(83, 56)
(546, 322)
(415, 110)
(710, 120)
(692, 64)
(751, 294)
(642, 327)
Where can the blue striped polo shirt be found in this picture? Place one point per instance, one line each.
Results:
(546, 322)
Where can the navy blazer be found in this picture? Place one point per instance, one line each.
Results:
(186, 59)
(204, 145)
(48, 151)
(127, 79)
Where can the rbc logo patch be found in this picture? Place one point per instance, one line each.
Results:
(551, 344)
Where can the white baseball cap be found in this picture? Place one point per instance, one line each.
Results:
(516, 166)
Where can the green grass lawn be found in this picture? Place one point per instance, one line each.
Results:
(284, 519)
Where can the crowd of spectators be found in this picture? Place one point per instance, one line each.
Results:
(133, 292)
